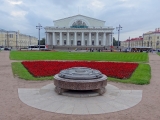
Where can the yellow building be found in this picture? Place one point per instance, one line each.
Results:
(16, 39)
(133, 42)
(152, 39)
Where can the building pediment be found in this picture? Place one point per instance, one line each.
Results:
(79, 21)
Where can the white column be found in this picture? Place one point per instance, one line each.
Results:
(104, 39)
(90, 43)
(107, 40)
(48, 43)
(110, 39)
(68, 38)
(75, 38)
(82, 38)
(53, 38)
(97, 39)
(61, 38)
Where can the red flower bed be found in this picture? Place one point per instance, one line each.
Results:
(50, 68)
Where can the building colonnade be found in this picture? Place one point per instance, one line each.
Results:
(78, 38)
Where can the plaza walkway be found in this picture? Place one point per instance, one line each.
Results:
(12, 108)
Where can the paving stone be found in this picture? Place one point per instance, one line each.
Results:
(47, 99)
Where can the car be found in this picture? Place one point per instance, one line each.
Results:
(126, 50)
(7, 48)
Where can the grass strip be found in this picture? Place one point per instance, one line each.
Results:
(20, 71)
(88, 56)
(141, 76)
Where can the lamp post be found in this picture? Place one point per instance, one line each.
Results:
(129, 43)
(111, 41)
(118, 28)
(16, 40)
(39, 27)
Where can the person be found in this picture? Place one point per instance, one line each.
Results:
(90, 49)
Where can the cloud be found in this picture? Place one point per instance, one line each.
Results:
(14, 2)
(133, 16)
(18, 13)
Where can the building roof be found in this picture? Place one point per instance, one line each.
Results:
(157, 30)
(134, 39)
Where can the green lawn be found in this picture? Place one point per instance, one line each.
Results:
(141, 75)
(158, 53)
(20, 71)
(90, 56)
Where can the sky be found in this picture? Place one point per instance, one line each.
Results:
(135, 16)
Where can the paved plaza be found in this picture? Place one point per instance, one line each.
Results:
(28, 100)
(47, 99)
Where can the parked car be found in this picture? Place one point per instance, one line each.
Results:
(7, 48)
(1, 48)
(126, 50)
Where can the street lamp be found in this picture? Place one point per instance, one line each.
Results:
(39, 27)
(111, 41)
(118, 28)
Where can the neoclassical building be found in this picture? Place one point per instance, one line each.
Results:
(78, 31)
(152, 39)
(15, 39)
(133, 42)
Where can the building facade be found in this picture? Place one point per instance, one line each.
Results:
(152, 39)
(16, 40)
(133, 42)
(79, 31)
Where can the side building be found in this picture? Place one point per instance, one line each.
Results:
(78, 31)
(133, 42)
(15, 39)
(152, 39)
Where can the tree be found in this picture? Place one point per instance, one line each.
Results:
(42, 42)
(115, 42)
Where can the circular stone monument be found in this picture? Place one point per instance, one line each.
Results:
(80, 79)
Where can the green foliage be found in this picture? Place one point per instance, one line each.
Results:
(42, 42)
(89, 56)
(141, 76)
(20, 71)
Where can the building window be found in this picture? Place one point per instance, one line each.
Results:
(71, 42)
(157, 37)
(92, 34)
(57, 42)
(85, 34)
(64, 34)
(85, 42)
(92, 42)
(78, 34)
(99, 42)
(64, 42)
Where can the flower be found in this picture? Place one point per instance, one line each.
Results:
(49, 68)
